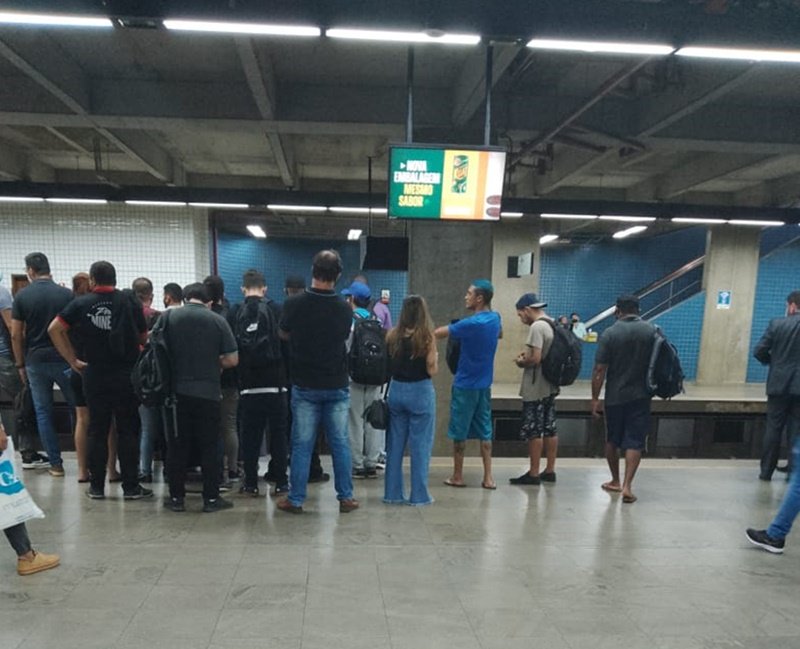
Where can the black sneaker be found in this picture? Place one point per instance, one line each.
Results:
(359, 474)
(95, 494)
(175, 504)
(216, 504)
(765, 541)
(146, 477)
(526, 479)
(225, 486)
(548, 477)
(319, 477)
(233, 476)
(280, 490)
(371, 474)
(34, 461)
(138, 493)
(249, 491)
(268, 477)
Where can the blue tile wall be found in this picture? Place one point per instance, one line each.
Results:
(778, 275)
(277, 258)
(588, 278)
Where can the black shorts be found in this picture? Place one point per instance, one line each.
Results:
(627, 424)
(76, 381)
(538, 419)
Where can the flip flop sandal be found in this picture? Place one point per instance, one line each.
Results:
(458, 485)
(491, 487)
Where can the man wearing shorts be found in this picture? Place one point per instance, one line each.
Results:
(623, 357)
(471, 402)
(538, 394)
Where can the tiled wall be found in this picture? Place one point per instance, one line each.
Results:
(164, 244)
(778, 275)
(682, 325)
(277, 258)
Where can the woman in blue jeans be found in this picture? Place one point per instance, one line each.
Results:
(413, 361)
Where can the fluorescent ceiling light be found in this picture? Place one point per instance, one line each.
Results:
(736, 54)
(80, 201)
(233, 206)
(354, 235)
(762, 224)
(20, 199)
(431, 36)
(628, 219)
(681, 219)
(359, 210)
(53, 20)
(263, 29)
(257, 231)
(548, 238)
(571, 217)
(636, 229)
(158, 203)
(511, 215)
(602, 47)
(298, 208)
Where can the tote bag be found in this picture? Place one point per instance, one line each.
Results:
(16, 504)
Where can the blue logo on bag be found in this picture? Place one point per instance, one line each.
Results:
(9, 483)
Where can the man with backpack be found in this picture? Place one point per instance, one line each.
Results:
(537, 392)
(471, 402)
(367, 364)
(623, 358)
(317, 323)
(109, 326)
(262, 384)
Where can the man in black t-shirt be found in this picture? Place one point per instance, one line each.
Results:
(37, 361)
(317, 325)
(110, 327)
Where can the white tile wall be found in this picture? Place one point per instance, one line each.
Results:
(166, 244)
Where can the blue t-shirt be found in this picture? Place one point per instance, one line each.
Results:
(478, 337)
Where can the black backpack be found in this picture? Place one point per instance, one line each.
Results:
(152, 375)
(256, 331)
(453, 352)
(562, 364)
(664, 373)
(368, 359)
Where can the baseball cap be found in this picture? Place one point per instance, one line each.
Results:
(358, 290)
(530, 300)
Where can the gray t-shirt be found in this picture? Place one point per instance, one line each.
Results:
(197, 337)
(534, 386)
(6, 302)
(625, 347)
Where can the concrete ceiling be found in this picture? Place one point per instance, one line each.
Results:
(146, 106)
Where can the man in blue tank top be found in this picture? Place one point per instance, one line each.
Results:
(471, 402)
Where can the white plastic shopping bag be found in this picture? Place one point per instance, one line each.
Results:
(16, 504)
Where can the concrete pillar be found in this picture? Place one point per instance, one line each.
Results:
(731, 264)
(511, 240)
(443, 259)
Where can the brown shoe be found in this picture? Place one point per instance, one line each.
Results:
(347, 506)
(286, 506)
(56, 470)
(39, 562)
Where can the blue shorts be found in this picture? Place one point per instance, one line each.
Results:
(627, 424)
(470, 415)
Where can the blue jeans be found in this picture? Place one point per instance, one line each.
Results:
(42, 376)
(310, 408)
(412, 418)
(791, 499)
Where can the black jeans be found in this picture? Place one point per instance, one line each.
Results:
(18, 538)
(109, 395)
(258, 411)
(198, 424)
(782, 412)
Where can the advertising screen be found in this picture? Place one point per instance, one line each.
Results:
(433, 182)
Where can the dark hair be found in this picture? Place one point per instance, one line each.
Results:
(483, 293)
(573, 313)
(794, 298)
(215, 288)
(295, 281)
(174, 291)
(326, 266)
(253, 279)
(80, 283)
(143, 287)
(38, 263)
(103, 273)
(196, 291)
(628, 304)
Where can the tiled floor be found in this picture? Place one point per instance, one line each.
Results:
(558, 566)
